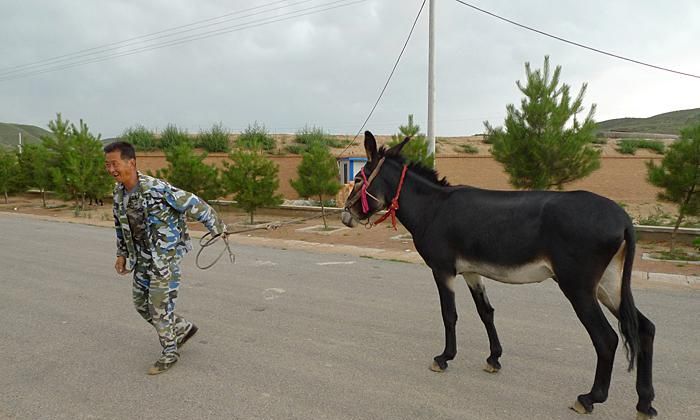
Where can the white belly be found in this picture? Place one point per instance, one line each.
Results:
(532, 272)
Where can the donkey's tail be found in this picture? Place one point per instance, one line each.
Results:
(628, 319)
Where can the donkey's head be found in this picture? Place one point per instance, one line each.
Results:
(372, 191)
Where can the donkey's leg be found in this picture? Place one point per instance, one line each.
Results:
(483, 306)
(609, 295)
(604, 341)
(445, 284)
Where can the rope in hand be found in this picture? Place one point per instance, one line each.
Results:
(205, 242)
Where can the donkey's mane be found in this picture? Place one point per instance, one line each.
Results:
(425, 172)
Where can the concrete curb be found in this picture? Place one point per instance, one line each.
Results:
(677, 279)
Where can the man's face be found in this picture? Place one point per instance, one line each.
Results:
(122, 170)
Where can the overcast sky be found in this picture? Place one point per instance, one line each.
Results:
(326, 69)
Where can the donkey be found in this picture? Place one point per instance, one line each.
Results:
(581, 240)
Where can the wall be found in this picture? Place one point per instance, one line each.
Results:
(620, 178)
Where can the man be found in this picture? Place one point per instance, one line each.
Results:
(149, 215)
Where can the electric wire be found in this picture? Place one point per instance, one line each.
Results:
(512, 22)
(391, 74)
(145, 38)
(221, 31)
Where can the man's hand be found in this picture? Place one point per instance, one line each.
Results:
(120, 265)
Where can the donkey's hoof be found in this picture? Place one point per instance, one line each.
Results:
(435, 367)
(646, 416)
(579, 408)
(491, 369)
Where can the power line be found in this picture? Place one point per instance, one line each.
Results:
(576, 43)
(148, 37)
(208, 34)
(408, 38)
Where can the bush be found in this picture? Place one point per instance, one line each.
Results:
(295, 149)
(310, 135)
(141, 138)
(215, 139)
(630, 146)
(172, 136)
(468, 148)
(256, 137)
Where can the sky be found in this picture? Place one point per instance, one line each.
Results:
(290, 64)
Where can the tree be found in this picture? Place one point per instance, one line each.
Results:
(540, 148)
(77, 161)
(416, 150)
(318, 175)
(215, 139)
(187, 170)
(35, 163)
(141, 138)
(679, 175)
(10, 173)
(253, 181)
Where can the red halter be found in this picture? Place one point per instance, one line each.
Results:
(394, 202)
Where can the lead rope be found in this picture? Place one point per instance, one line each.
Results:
(205, 243)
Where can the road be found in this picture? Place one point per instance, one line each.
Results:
(288, 334)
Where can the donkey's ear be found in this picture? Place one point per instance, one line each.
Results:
(396, 150)
(370, 146)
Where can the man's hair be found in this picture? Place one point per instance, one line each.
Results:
(125, 149)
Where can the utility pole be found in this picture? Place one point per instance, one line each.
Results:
(431, 80)
(20, 143)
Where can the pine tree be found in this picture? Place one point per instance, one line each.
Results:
(10, 173)
(544, 145)
(36, 168)
(187, 170)
(77, 161)
(416, 150)
(253, 181)
(318, 175)
(679, 175)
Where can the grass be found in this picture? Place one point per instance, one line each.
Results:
(676, 256)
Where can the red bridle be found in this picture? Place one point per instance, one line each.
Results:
(393, 207)
(394, 202)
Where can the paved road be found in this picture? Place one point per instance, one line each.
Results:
(286, 334)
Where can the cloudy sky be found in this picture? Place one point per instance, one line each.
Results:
(324, 62)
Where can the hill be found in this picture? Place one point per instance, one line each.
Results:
(667, 123)
(30, 134)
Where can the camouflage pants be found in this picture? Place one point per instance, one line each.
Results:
(154, 298)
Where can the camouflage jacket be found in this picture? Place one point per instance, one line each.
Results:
(165, 208)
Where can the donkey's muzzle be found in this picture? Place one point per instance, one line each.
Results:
(347, 219)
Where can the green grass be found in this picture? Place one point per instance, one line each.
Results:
(676, 256)
(666, 123)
